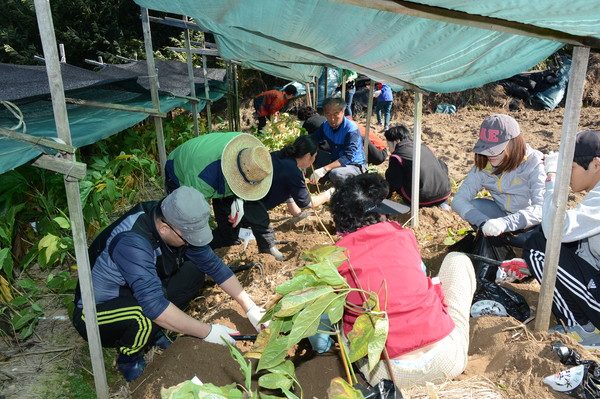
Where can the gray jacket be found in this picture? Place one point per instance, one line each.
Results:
(519, 193)
(582, 224)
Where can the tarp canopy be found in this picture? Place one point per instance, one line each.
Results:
(292, 38)
(125, 84)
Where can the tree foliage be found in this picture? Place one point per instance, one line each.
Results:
(88, 29)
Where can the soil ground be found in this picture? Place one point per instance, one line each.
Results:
(503, 353)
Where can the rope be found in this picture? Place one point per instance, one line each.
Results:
(17, 114)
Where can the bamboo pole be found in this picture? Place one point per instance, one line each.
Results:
(46, 27)
(561, 192)
(369, 114)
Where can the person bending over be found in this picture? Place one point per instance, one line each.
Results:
(428, 338)
(434, 183)
(576, 301)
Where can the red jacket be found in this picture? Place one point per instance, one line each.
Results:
(269, 102)
(416, 310)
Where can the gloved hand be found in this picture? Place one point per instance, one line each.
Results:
(551, 162)
(317, 175)
(493, 227)
(302, 215)
(237, 212)
(330, 191)
(511, 270)
(255, 313)
(217, 332)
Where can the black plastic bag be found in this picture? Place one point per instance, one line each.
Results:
(514, 303)
(384, 390)
(589, 388)
(495, 249)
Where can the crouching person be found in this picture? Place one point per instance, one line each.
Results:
(428, 337)
(576, 301)
(146, 267)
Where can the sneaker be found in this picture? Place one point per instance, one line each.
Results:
(131, 366)
(589, 340)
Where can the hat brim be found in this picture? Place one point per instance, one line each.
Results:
(237, 184)
(200, 237)
(483, 147)
(388, 207)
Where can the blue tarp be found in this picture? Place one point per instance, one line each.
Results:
(290, 38)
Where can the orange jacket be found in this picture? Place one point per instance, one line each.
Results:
(269, 102)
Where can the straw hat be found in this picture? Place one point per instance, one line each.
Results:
(247, 167)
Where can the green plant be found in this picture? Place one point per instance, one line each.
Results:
(284, 131)
(454, 236)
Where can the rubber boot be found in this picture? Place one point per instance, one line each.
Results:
(131, 366)
(275, 252)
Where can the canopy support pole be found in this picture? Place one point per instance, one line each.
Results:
(230, 95)
(561, 190)
(207, 94)
(308, 96)
(46, 27)
(153, 78)
(316, 91)
(416, 172)
(325, 88)
(368, 127)
(190, 68)
(236, 96)
(343, 84)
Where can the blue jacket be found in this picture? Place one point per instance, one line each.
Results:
(288, 182)
(130, 256)
(345, 142)
(386, 94)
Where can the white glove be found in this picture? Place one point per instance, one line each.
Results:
(330, 191)
(317, 175)
(217, 332)
(302, 215)
(551, 162)
(493, 227)
(255, 313)
(237, 211)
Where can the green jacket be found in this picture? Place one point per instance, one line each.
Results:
(197, 163)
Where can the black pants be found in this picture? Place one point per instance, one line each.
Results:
(577, 291)
(123, 324)
(255, 217)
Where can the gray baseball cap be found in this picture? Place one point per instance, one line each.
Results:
(495, 133)
(186, 209)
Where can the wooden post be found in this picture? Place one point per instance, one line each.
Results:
(561, 190)
(325, 91)
(343, 84)
(236, 96)
(190, 68)
(46, 27)
(368, 127)
(416, 174)
(316, 91)
(207, 95)
(308, 99)
(153, 78)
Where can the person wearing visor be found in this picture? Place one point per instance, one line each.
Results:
(513, 173)
(234, 170)
(146, 267)
(428, 338)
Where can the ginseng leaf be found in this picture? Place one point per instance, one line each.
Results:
(298, 283)
(275, 381)
(327, 273)
(366, 338)
(298, 300)
(332, 253)
(340, 389)
(335, 311)
(307, 321)
(274, 353)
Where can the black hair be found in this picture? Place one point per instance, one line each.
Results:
(302, 146)
(398, 132)
(584, 161)
(350, 203)
(336, 102)
(291, 90)
(306, 112)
